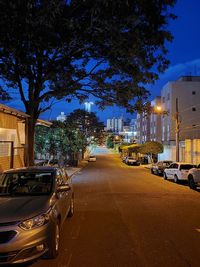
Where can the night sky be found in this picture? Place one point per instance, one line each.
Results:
(184, 55)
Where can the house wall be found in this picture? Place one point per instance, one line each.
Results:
(11, 129)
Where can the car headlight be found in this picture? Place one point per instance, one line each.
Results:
(35, 222)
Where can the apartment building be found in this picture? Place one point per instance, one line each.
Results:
(115, 125)
(179, 101)
(187, 92)
(142, 128)
(155, 121)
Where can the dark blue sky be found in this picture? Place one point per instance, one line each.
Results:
(184, 55)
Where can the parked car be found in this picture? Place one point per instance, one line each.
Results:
(124, 159)
(158, 168)
(92, 158)
(34, 203)
(194, 177)
(132, 161)
(178, 171)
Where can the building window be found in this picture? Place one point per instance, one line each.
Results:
(163, 99)
(168, 96)
(194, 92)
(193, 109)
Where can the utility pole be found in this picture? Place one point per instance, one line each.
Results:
(177, 122)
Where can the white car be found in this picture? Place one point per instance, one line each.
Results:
(92, 158)
(132, 161)
(178, 171)
(194, 177)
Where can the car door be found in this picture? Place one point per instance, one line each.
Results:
(169, 171)
(63, 197)
(175, 170)
(68, 181)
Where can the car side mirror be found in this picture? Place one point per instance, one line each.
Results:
(63, 188)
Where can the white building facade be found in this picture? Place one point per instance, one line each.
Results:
(115, 125)
(183, 96)
(180, 101)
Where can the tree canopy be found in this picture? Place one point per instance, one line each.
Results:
(54, 49)
(151, 147)
(86, 122)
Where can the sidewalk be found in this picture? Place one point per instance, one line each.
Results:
(71, 171)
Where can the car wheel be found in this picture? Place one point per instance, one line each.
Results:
(152, 172)
(71, 209)
(165, 176)
(191, 183)
(54, 243)
(176, 180)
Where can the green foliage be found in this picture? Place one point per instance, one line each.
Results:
(110, 141)
(59, 141)
(67, 139)
(151, 147)
(134, 148)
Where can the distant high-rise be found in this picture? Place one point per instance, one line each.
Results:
(115, 124)
(61, 117)
(88, 106)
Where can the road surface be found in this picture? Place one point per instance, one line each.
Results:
(125, 216)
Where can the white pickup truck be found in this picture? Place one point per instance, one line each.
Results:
(194, 177)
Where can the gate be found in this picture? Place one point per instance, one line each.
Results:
(10, 156)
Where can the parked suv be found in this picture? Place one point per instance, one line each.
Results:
(178, 171)
(158, 168)
(34, 203)
(194, 177)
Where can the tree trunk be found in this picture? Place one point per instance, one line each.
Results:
(30, 141)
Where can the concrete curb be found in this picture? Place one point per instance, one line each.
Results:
(71, 171)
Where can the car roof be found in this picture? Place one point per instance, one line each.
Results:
(33, 169)
(184, 163)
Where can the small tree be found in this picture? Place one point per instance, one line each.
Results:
(150, 148)
(110, 141)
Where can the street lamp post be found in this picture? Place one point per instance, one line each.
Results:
(158, 110)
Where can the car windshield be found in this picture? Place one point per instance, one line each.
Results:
(26, 183)
(186, 166)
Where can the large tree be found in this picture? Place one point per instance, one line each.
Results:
(54, 49)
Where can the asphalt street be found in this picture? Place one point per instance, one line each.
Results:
(125, 216)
